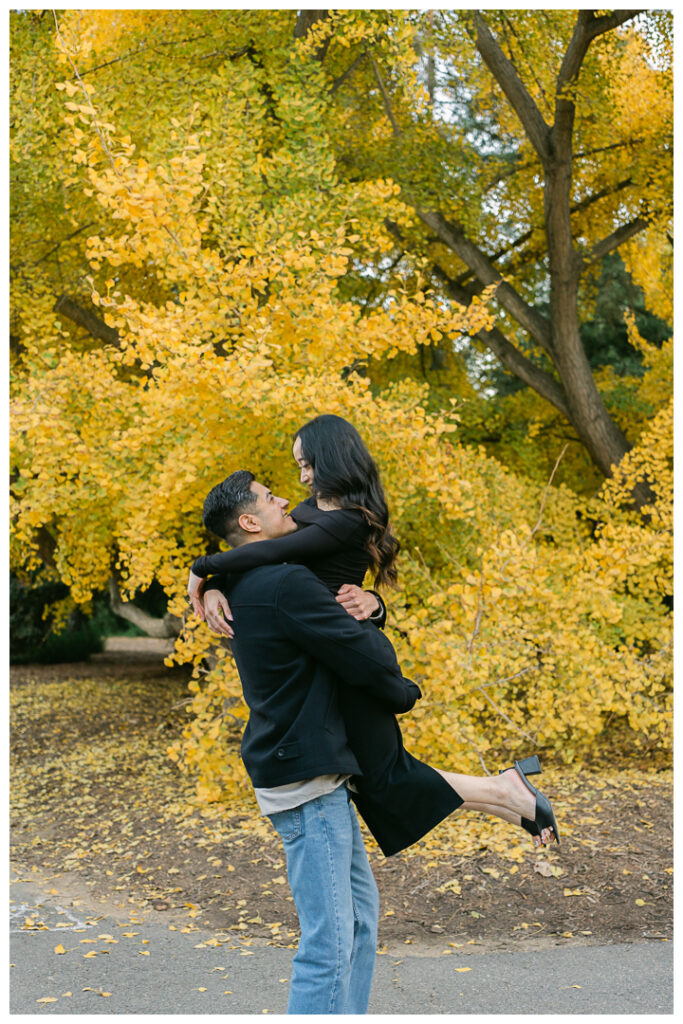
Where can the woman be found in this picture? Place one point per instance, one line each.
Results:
(343, 529)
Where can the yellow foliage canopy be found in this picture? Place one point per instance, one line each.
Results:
(222, 249)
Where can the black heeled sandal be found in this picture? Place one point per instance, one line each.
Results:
(544, 812)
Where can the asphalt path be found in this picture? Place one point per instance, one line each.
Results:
(139, 964)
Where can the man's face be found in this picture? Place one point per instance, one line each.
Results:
(270, 514)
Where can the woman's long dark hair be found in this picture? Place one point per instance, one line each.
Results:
(344, 471)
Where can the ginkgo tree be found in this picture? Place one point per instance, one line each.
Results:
(528, 145)
(203, 258)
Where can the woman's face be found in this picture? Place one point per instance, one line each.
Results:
(306, 470)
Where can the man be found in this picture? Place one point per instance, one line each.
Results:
(294, 645)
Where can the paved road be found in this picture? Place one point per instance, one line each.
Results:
(145, 967)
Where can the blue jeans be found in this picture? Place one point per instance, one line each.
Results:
(337, 902)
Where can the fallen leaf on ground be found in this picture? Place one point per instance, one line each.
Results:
(548, 870)
(452, 886)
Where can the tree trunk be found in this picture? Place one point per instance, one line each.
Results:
(305, 20)
(604, 441)
(602, 438)
(585, 409)
(169, 626)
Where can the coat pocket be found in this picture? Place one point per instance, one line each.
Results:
(287, 751)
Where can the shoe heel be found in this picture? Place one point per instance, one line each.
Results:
(530, 765)
(545, 817)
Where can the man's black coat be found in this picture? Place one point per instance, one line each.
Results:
(293, 646)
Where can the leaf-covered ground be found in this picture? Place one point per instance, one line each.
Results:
(99, 809)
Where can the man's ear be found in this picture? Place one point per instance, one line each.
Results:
(249, 523)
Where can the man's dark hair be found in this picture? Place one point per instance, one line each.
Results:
(226, 502)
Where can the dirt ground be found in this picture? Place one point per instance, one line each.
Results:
(99, 809)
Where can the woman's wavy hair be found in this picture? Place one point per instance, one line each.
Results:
(344, 471)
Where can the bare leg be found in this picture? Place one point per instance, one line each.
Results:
(506, 790)
(504, 795)
(496, 810)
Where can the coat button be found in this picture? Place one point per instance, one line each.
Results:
(280, 752)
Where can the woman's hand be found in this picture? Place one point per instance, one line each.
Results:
(218, 614)
(361, 604)
(195, 587)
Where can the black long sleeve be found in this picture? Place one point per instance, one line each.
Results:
(360, 658)
(302, 546)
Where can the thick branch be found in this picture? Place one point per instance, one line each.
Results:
(518, 364)
(606, 22)
(588, 27)
(453, 236)
(87, 319)
(515, 361)
(576, 51)
(169, 626)
(617, 238)
(525, 256)
(504, 72)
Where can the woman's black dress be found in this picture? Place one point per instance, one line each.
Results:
(399, 797)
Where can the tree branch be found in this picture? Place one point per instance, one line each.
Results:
(576, 51)
(606, 22)
(87, 319)
(141, 49)
(617, 238)
(588, 27)
(515, 361)
(346, 74)
(521, 101)
(61, 242)
(534, 254)
(543, 383)
(169, 626)
(453, 236)
(385, 97)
